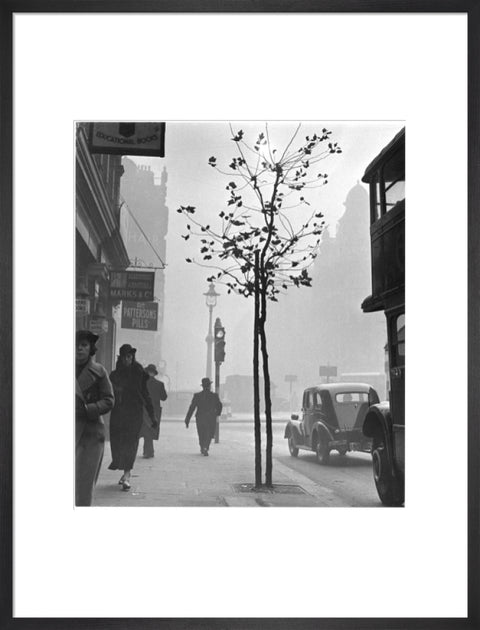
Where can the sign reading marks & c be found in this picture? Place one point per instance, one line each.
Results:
(140, 315)
(132, 285)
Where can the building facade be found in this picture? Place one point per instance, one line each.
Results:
(99, 244)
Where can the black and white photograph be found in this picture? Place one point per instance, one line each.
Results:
(245, 281)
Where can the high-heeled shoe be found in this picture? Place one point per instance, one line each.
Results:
(125, 485)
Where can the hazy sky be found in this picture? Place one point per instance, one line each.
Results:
(191, 181)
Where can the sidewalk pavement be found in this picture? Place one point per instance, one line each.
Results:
(180, 476)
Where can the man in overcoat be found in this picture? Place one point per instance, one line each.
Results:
(207, 407)
(93, 398)
(157, 392)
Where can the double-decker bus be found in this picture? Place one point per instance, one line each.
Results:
(385, 422)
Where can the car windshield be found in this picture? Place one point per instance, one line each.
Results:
(350, 408)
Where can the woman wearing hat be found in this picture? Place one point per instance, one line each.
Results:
(93, 398)
(129, 381)
(157, 392)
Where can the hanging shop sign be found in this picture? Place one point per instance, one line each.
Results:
(132, 285)
(98, 325)
(82, 306)
(140, 315)
(128, 138)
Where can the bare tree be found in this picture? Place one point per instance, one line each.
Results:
(262, 246)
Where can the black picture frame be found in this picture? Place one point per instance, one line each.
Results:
(8, 9)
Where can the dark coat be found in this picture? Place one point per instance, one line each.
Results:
(131, 396)
(157, 392)
(207, 407)
(93, 398)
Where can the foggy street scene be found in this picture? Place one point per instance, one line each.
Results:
(240, 314)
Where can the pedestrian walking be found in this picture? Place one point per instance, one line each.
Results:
(129, 381)
(157, 392)
(93, 398)
(208, 406)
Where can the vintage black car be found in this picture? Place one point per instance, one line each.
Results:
(332, 419)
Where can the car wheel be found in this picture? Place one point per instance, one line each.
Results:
(389, 488)
(322, 451)
(292, 447)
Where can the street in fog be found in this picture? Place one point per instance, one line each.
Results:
(214, 481)
(211, 220)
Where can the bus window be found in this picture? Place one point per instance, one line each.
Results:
(394, 177)
(398, 341)
(388, 186)
(401, 336)
(394, 192)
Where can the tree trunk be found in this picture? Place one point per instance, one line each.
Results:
(266, 382)
(256, 382)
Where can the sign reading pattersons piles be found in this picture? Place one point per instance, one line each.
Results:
(140, 315)
(132, 285)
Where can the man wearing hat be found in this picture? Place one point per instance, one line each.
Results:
(208, 406)
(157, 392)
(93, 398)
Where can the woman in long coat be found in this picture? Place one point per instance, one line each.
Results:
(129, 381)
(93, 398)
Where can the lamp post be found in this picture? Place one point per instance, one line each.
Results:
(211, 301)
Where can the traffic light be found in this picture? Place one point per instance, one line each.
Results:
(219, 342)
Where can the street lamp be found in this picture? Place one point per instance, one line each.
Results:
(211, 301)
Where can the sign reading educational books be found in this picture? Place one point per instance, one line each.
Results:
(128, 138)
(132, 285)
(140, 315)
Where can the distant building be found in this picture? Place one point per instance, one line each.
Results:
(238, 391)
(145, 199)
(325, 325)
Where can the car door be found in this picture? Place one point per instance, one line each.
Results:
(307, 416)
(313, 413)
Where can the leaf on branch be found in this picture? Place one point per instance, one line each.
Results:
(238, 137)
(186, 237)
(212, 161)
(189, 260)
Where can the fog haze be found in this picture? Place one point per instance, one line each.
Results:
(191, 181)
